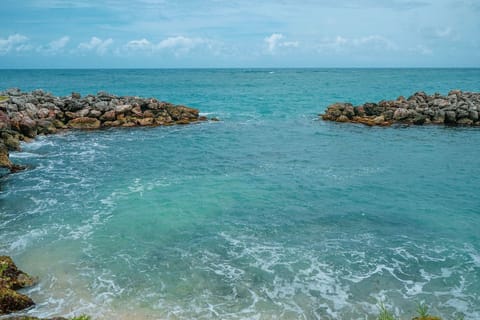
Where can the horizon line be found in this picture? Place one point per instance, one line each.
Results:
(225, 68)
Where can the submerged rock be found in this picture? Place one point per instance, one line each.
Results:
(458, 108)
(24, 115)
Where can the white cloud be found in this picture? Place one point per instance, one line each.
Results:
(96, 44)
(274, 41)
(142, 44)
(340, 43)
(178, 45)
(55, 46)
(181, 44)
(14, 42)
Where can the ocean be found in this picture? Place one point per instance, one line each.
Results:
(270, 213)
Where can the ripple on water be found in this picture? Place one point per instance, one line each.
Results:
(267, 214)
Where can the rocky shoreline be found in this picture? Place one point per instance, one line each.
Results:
(24, 115)
(11, 301)
(457, 108)
(12, 279)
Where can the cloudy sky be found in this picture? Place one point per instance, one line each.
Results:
(239, 33)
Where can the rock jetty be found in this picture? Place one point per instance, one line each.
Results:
(24, 115)
(456, 108)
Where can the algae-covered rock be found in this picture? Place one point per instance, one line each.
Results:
(4, 159)
(11, 277)
(11, 301)
(11, 139)
(84, 123)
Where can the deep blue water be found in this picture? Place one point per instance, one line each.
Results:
(268, 214)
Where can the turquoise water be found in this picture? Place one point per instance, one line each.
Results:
(268, 214)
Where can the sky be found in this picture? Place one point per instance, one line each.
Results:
(239, 33)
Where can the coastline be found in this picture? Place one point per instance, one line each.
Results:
(24, 115)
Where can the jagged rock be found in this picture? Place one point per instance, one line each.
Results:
(108, 116)
(28, 127)
(30, 109)
(343, 118)
(59, 124)
(148, 114)
(419, 119)
(11, 277)
(70, 115)
(84, 123)
(72, 105)
(182, 112)
(4, 121)
(43, 113)
(450, 117)
(11, 301)
(441, 103)
(145, 121)
(379, 120)
(473, 115)
(11, 139)
(116, 123)
(94, 113)
(462, 113)
(46, 127)
(373, 109)
(105, 96)
(4, 159)
(465, 122)
(123, 108)
(400, 114)
(137, 112)
(162, 120)
(101, 105)
(13, 92)
(82, 113)
(439, 117)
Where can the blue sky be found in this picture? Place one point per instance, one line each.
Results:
(234, 33)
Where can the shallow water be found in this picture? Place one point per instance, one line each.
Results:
(269, 214)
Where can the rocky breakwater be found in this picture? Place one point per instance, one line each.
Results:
(456, 108)
(24, 115)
